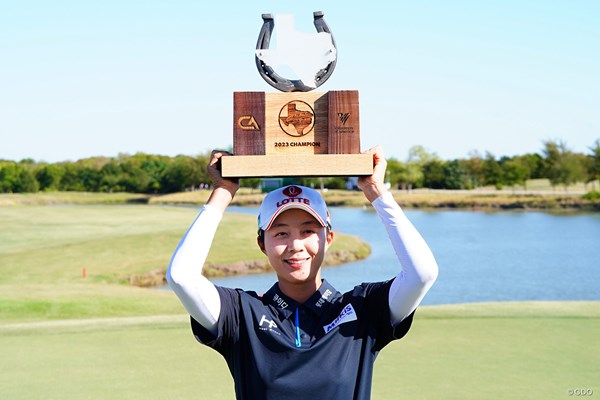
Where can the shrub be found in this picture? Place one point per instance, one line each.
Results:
(593, 195)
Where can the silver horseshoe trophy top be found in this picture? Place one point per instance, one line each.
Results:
(277, 81)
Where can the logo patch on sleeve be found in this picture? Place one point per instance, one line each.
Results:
(347, 315)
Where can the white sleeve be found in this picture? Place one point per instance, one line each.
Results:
(184, 275)
(419, 268)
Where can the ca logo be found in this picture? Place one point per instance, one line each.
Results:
(248, 123)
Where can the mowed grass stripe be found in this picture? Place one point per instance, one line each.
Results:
(491, 358)
(54, 244)
(33, 227)
(496, 356)
(49, 302)
(476, 311)
(45, 249)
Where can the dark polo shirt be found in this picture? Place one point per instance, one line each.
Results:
(329, 354)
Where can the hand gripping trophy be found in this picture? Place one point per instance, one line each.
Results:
(296, 132)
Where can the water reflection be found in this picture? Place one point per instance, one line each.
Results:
(502, 256)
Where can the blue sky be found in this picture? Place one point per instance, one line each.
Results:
(91, 78)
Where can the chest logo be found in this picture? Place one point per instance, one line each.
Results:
(347, 315)
(323, 298)
(270, 324)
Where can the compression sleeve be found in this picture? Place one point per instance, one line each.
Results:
(184, 275)
(419, 268)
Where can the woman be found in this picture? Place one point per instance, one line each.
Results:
(302, 339)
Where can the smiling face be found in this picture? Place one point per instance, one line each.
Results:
(295, 245)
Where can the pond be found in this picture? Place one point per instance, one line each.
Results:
(482, 256)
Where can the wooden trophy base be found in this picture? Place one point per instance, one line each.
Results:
(296, 134)
(319, 165)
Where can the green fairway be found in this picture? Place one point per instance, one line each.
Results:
(66, 336)
(478, 351)
(51, 244)
(45, 249)
(54, 243)
(528, 350)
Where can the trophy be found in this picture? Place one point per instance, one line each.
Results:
(296, 132)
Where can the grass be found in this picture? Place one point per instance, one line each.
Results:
(544, 185)
(20, 303)
(54, 244)
(539, 194)
(499, 351)
(496, 201)
(66, 337)
(493, 357)
(424, 198)
(48, 198)
(45, 249)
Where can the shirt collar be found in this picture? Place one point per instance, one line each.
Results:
(317, 303)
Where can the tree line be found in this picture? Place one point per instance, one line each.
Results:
(556, 162)
(157, 174)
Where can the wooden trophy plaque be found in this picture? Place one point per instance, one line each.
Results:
(299, 133)
(296, 134)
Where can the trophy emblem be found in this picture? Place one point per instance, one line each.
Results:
(323, 44)
(301, 120)
(296, 131)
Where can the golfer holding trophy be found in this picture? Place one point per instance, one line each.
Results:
(301, 339)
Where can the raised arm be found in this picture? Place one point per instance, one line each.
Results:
(419, 268)
(184, 275)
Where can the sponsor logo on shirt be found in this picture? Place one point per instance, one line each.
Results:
(347, 315)
(268, 325)
(280, 302)
(323, 298)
